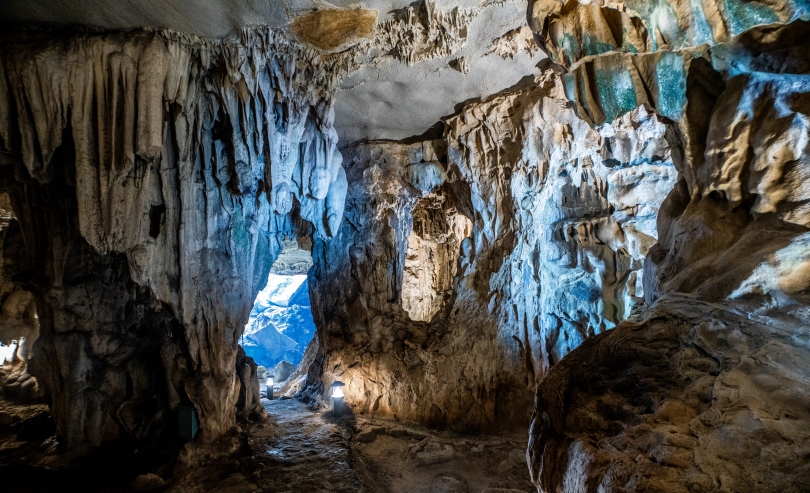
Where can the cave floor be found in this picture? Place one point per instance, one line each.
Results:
(299, 450)
(295, 449)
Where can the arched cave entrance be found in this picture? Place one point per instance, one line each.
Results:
(281, 327)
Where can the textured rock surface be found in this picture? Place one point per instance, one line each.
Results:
(157, 175)
(706, 392)
(572, 30)
(409, 69)
(468, 265)
(694, 397)
(426, 58)
(280, 325)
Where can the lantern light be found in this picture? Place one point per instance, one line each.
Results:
(269, 384)
(337, 398)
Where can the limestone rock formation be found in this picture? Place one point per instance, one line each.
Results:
(620, 232)
(706, 391)
(535, 227)
(280, 325)
(426, 57)
(573, 30)
(155, 177)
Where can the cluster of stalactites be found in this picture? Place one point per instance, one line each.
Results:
(116, 93)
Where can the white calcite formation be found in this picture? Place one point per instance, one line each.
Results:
(156, 175)
(621, 234)
(468, 265)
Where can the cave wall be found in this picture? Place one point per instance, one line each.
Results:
(544, 223)
(154, 178)
(706, 390)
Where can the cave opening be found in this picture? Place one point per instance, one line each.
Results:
(280, 326)
(7, 352)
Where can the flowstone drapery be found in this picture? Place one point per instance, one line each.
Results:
(155, 175)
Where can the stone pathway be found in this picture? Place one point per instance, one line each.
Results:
(310, 452)
(296, 450)
(404, 459)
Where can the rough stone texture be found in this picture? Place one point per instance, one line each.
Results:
(542, 225)
(332, 30)
(207, 18)
(156, 176)
(426, 58)
(706, 392)
(572, 30)
(409, 69)
(694, 397)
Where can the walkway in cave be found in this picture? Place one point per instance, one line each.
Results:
(299, 450)
(306, 451)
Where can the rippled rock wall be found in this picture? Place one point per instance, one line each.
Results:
(154, 177)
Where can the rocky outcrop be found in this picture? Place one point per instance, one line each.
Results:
(468, 265)
(705, 391)
(280, 325)
(695, 396)
(573, 30)
(156, 175)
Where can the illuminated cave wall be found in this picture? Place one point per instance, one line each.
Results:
(542, 224)
(154, 176)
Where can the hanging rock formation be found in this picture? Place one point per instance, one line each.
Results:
(155, 177)
(621, 234)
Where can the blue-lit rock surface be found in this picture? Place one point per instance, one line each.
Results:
(469, 265)
(159, 173)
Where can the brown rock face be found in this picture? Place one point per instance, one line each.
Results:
(333, 29)
(693, 397)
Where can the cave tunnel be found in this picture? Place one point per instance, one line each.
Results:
(480, 247)
(281, 328)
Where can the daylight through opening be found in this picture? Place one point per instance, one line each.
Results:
(280, 326)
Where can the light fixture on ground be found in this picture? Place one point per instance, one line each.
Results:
(337, 397)
(269, 384)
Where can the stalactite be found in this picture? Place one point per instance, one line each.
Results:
(170, 148)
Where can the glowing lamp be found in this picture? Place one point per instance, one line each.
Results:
(269, 384)
(337, 397)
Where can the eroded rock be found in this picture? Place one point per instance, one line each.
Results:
(156, 175)
(700, 394)
(470, 264)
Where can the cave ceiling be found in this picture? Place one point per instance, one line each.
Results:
(401, 83)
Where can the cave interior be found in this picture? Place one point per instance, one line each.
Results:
(386, 246)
